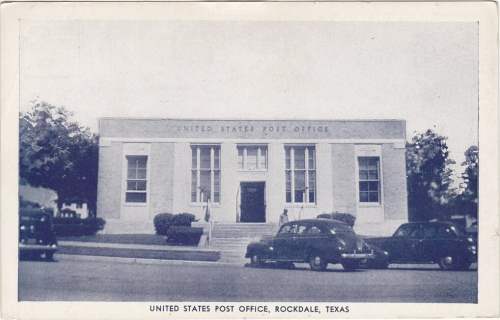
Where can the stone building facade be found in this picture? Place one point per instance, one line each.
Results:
(249, 171)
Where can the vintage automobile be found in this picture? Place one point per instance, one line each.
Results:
(426, 242)
(36, 234)
(316, 241)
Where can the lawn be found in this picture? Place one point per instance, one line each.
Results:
(147, 239)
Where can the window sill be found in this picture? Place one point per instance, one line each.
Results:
(369, 204)
(135, 204)
(199, 205)
(301, 205)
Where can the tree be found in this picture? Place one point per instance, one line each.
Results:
(468, 199)
(428, 176)
(57, 153)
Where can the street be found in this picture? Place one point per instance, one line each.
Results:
(73, 280)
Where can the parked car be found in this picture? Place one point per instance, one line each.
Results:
(36, 234)
(316, 241)
(426, 242)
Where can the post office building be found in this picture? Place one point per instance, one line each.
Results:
(250, 171)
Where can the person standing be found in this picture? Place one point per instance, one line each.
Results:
(283, 217)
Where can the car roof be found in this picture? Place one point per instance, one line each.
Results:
(318, 220)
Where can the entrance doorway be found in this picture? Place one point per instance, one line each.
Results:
(253, 204)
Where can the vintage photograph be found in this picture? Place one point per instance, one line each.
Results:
(238, 161)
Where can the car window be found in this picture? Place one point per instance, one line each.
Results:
(430, 231)
(446, 232)
(417, 233)
(285, 229)
(405, 230)
(301, 229)
(313, 230)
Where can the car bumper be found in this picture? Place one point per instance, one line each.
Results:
(37, 247)
(357, 256)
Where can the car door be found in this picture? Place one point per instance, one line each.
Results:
(400, 244)
(300, 242)
(431, 242)
(283, 242)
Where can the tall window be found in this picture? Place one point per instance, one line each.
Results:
(300, 172)
(205, 173)
(252, 157)
(369, 179)
(136, 179)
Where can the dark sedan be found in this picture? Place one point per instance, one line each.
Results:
(426, 242)
(36, 234)
(316, 241)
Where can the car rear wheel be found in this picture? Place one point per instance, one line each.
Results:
(47, 255)
(350, 265)
(450, 262)
(317, 262)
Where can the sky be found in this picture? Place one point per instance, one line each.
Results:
(425, 73)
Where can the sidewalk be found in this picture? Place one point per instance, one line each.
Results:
(137, 251)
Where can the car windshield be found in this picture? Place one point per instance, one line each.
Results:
(339, 228)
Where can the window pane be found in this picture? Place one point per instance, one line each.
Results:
(363, 174)
(363, 196)
(372, 163)
(288, 196)
(141, 174)
(216, 157)
(205, 184)
(372, 196)
(240, 157)
(373, 186)
(193, 186)
(312, 157)
(205, 157)
(193, 157)
(141, 162)
(216, 181)
(131, 185)
(136, 185)
(299, 196)
(135, 197)
(312, 197)
(251, 158)
(312, 180)
(300, 180)
(287, 157)
(363, 186)
(131, 173)
(373, 175)
(299, 157)
(263, 158)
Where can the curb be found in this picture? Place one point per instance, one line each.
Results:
(145, 261)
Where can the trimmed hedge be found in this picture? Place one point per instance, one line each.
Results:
(77, 226)
(347, 218)
(184, 235)
(162, 222)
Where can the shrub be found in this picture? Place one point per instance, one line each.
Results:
(184, 235)
(77, 227)
(183, 219)
(162, 222)
(347, 218)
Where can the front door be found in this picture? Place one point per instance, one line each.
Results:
(253, 206)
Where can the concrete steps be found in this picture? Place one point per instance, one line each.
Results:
(242, 230)
(231, 239)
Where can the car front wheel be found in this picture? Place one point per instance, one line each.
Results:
(317, 262)
(256, 260)
(449, 262)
